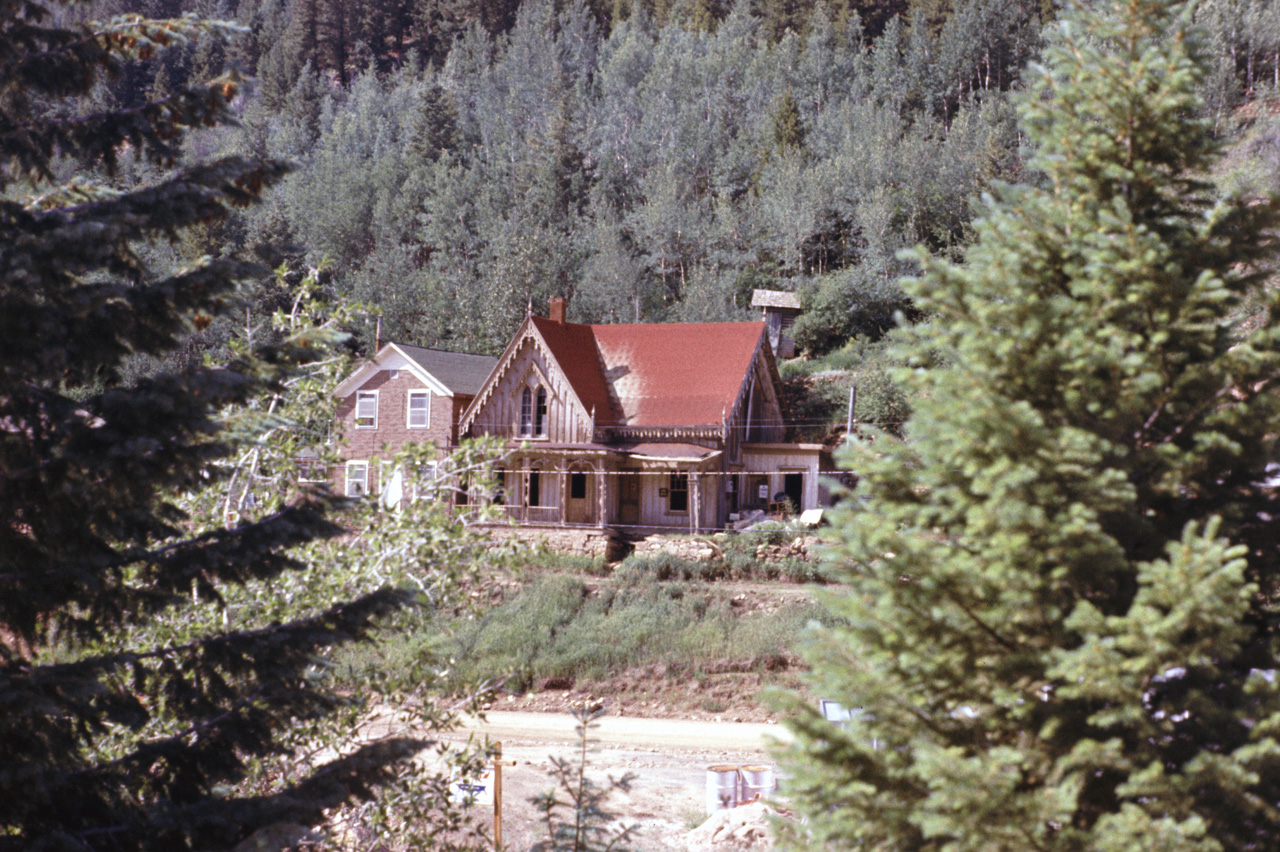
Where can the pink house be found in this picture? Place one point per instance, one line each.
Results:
(403, 394)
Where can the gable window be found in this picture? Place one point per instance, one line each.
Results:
(678, 493)
(540, 412)
(357, 483)
(366, 409)
(419, 409)
(533, 412)
(526, 412)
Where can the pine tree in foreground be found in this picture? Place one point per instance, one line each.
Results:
(128, 748)
(1060, 618)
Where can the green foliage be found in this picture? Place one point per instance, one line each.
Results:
(588, 826)
(816, 392)
(552, 627)
(462, 160)
(1059, 614)
(162, 638)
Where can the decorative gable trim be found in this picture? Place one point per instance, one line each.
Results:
(527, 332)
(736, 410)
(572, 394)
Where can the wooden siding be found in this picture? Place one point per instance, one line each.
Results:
(774, 462)
(499, 412)
(757, 416)
(654, 507)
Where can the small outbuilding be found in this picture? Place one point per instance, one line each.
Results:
(780, 311)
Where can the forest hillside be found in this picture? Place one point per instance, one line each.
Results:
(653, 160)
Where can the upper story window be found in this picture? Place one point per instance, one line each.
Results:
(419, 409)
(366, 409)
(533, 412)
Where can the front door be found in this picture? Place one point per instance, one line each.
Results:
(628, 497)
(579, 505)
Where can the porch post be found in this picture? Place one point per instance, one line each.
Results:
(564, 490)
(600, 494)
(695, 499)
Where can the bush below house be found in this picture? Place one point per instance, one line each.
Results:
(652, 612)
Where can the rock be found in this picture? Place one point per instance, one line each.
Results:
(744, 827)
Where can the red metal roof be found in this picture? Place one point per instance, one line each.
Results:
(655, 375)
(574, 348)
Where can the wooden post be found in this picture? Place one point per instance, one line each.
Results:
(564, 490)
(497, 795)
(695, 504)
(601, 495)
(498, 763)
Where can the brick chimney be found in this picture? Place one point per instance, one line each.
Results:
(555, 312)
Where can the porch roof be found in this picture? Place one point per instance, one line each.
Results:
(560, 449)
(668, 452)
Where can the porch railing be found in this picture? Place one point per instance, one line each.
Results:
(533, 514)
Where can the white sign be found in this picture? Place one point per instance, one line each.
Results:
(478, 791)
(833, 711)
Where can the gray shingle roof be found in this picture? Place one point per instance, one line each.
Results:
(774, 299)
(460, 372)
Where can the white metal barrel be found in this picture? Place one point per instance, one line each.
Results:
(757, 783)
(722, 787)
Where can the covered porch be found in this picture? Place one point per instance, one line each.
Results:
(633, 488)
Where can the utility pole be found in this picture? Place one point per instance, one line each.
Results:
(853, 400)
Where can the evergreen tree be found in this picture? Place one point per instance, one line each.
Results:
(1059, 624)
(113, 746)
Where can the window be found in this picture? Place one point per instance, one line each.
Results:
(423, 481)
(578, 485)
(357, 479)
(526, 412)
(533, 412)
(312, 470)
(366, 409)
(535, 488)
(419, 409)
(678, 493)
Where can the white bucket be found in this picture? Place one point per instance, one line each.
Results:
(757, 783)
(722, 787)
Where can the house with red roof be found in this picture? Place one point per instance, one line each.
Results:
(641, 428)
(402, 394)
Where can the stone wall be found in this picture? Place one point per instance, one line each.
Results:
(596, 542)
(582, 542)
(693, 549)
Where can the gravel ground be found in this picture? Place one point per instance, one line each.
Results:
(669, 758)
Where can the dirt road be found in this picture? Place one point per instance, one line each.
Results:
(665, 735)
(669, 758)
